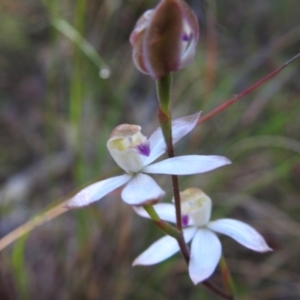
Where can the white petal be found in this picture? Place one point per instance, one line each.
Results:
(206, 251)
(241, 232)
(189, 233)
(96, 191)
(141, 188)
(187, 164)
(162, 249)
(180, 128)
(166, 211)
(158, 251)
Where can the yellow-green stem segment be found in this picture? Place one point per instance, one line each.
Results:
(162, 225)
(227, 278)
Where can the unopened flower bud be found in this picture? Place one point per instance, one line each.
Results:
(164, 39)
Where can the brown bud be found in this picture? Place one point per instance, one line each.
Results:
(164, 39)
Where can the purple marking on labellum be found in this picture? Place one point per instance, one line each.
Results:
(185, 220)
(144, 149)
(186, 37)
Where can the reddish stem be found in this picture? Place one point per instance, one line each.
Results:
(245, 92)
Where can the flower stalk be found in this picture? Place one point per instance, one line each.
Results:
(162, 225)
(169, 230)
(164, 86)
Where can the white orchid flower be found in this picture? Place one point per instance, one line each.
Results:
(206, 248)
(134, 153)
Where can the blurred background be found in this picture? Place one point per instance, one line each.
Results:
(67, 79)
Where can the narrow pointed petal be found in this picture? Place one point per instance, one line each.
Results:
(241, 232)
(162, 249)
(166, 211)
(140, 189)
(187, 164)
(180, 128)
(158, 251)
(96, 191)
(206, 252)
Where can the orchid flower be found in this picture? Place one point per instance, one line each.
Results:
(135, 154)
(206, 248)
(164, 39)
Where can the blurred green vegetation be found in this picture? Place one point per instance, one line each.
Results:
(67, 79)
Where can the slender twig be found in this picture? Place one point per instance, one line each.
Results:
(245, 92)
(32, 224)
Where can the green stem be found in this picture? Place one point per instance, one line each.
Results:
(165, 119)
(164, 85)
(77, 90)
(226, 277)
(163, 88)
(162, 225)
